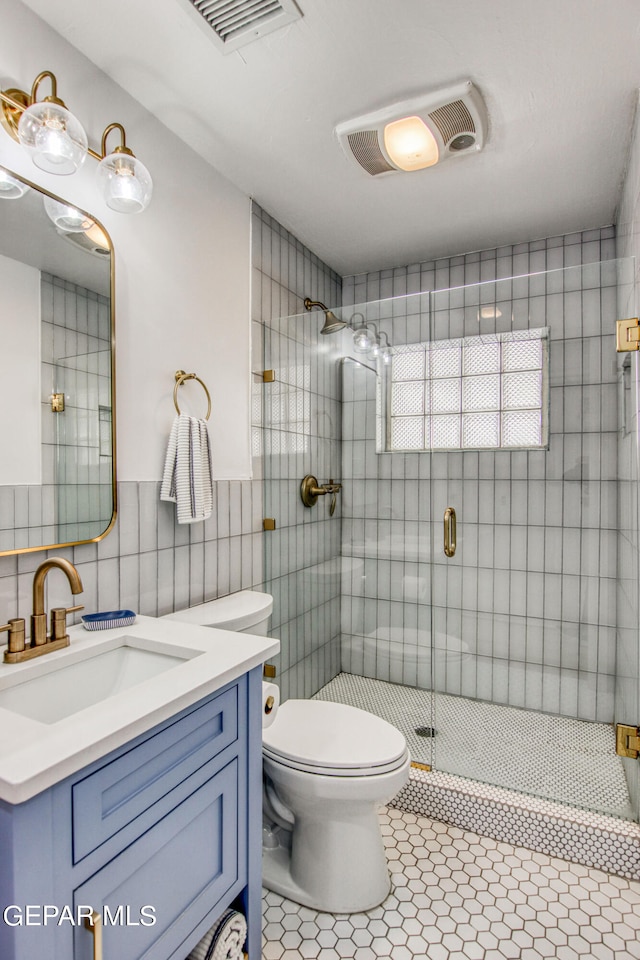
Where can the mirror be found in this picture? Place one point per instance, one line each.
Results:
(57, 482)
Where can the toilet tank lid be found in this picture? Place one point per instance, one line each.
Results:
(235, 612)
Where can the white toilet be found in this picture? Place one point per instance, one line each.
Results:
(327, 769)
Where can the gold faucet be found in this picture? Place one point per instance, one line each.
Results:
(41, 643)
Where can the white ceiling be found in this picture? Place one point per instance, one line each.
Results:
(559, 78)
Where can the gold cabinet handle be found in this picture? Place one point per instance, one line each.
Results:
(449, 532)
(94, 926)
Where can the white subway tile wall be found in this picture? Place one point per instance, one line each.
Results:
(528, 604)
(148, 563)
(296, 428)
(74, 500)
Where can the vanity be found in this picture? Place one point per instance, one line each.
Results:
(130, 787)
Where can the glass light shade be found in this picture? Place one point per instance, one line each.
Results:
(10, 188)
(125, 183)
(66, 218)
(385, 355)
(362, 341)
(375, 347)
(410, 144)
(55, 139)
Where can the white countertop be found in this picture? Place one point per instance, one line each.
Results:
(35, 755)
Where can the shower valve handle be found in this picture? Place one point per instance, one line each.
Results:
(310, 490)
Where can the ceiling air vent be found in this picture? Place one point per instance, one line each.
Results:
(447, 123)
(235, 23)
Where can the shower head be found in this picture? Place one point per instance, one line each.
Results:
(331, 323)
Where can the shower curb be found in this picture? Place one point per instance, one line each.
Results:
(591, 839)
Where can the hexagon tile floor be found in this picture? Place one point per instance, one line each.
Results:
(458, 896)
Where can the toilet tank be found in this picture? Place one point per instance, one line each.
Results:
(245, 612)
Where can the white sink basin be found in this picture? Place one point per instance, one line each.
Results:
(62, 711)
(68, 687)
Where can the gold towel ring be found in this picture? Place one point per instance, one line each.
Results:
(181, 376)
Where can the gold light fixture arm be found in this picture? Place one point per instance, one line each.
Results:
(15, 102)
(123, 148)
(53, 96)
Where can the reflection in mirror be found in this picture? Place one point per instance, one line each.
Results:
(57, 484)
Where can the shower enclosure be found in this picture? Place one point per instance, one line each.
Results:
(477, 583)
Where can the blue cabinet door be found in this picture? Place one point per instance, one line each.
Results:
(175, 874)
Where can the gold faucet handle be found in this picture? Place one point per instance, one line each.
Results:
(59, 621)
(15, 628)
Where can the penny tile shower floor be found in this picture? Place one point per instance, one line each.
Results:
(458, 896)
(521, 750)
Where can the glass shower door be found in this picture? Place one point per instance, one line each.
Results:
(522, 411)
(301, 435)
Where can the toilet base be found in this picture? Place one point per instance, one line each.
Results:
(335, 864)
(276, 876)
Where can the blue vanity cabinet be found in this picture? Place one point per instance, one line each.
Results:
(159, 837)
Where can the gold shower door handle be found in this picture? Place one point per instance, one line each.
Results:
(449, 532)
(94, 926)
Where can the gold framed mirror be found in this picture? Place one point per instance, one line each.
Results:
(57, 423)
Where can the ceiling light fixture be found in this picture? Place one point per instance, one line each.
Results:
(410, 144)
(417, 133)
(58, 144)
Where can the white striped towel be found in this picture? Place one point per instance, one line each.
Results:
(187, 480)
(224, 941)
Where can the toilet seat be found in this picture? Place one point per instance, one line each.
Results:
(333, 739)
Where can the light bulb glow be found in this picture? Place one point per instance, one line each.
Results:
(125, 183)
(410, 144)
(66, 218)
(361, 341)
(10, 188)
(54, 137)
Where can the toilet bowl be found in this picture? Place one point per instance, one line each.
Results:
(327, 769)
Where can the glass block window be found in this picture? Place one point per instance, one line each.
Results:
(475, 393)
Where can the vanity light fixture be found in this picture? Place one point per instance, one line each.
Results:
(381, 351)
(10, 188)
(58, 144)
(366, 341)
(66, 218)
(53, 136)
(125, 182)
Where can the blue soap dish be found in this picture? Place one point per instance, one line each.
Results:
(106, 621)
